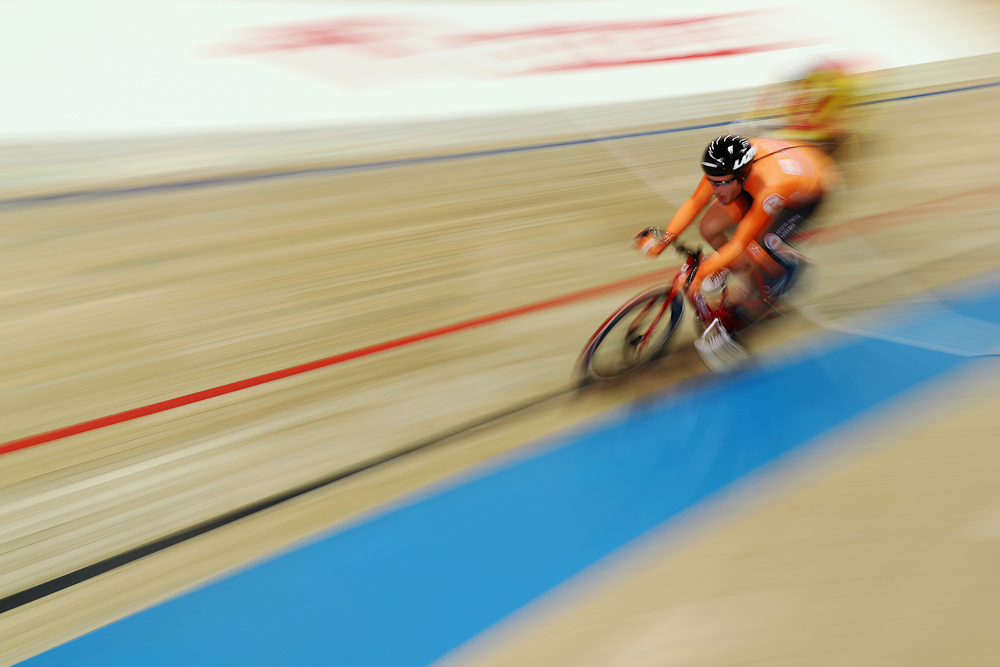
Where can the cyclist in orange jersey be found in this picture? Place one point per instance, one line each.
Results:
(767, 188)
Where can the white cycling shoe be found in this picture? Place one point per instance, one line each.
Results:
(718, 349)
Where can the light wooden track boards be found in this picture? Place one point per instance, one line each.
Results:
(114, 303)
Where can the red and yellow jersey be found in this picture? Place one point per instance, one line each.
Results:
(819, 105)
(782, 175)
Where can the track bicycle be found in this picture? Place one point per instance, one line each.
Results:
(641, 329)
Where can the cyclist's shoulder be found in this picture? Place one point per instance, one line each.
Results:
(773, 153)
(767, 146)
(783, 168)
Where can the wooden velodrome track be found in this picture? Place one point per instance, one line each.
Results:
(114, 302)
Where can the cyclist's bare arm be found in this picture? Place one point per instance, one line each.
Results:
(682, 219)
(689, 210)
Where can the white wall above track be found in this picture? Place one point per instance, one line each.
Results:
(113, 68)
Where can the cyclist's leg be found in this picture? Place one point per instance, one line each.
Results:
(718, 218)
(774, 242)
(713, 226)
(715, 344)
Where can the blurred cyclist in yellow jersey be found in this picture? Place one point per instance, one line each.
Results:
(814, 106)
(819, 106)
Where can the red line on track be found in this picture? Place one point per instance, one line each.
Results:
(965, 201)
(829, 234)
(188, 399)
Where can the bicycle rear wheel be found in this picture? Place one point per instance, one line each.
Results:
(635, 334)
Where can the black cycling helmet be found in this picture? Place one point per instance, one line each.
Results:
(727, 155)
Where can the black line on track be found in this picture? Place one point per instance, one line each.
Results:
(105, 565)
(80, 575)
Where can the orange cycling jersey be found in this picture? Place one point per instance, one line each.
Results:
(783, 175)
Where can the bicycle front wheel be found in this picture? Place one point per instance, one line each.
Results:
(637, 333)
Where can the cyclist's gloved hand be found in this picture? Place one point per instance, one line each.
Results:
(652, 240)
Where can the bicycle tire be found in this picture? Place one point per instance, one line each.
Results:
(655, 346)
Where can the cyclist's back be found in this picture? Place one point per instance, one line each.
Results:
(784, 176)
(794, 171)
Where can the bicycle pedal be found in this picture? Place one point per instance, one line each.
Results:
(718, 350)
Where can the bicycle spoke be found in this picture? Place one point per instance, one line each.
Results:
(635, 335)
(649, 331)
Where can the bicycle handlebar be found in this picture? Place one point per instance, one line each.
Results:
(685, 250)
(693, 253)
